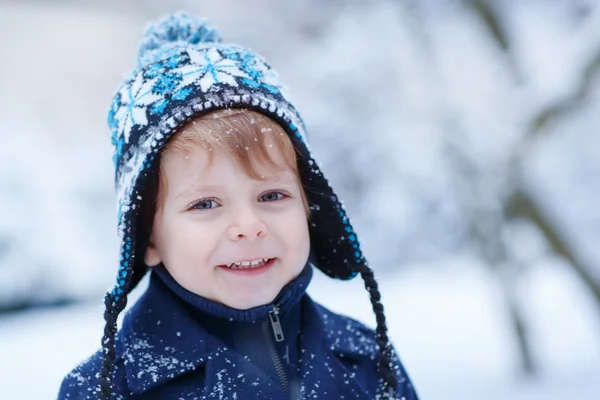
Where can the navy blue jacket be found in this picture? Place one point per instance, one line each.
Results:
(176, 345)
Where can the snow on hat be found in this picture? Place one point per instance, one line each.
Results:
(184, 70)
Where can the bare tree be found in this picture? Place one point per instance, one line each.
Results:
(512, 199)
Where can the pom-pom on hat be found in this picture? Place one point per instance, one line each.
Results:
(177, 29)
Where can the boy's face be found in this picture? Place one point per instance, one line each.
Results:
(212, 215)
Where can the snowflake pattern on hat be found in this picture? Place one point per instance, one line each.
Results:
(175, 78)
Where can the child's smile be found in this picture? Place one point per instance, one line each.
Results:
(248, 265)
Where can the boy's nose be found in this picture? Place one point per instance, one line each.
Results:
(248, 226)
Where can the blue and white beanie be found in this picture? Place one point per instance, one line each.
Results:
(183, 71)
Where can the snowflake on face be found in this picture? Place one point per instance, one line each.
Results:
(208, 68)
(135, 99)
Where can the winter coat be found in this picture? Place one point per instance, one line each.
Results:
(170, 347)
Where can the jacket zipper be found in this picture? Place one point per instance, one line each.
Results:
(273, 320)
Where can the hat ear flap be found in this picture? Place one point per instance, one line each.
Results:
(148, 187)
(335, 249)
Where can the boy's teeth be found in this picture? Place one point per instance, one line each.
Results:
(248, 264)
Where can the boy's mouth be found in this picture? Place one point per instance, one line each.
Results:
(249, 265)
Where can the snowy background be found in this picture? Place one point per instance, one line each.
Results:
(463, 134)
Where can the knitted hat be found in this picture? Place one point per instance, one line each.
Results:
(184, 71)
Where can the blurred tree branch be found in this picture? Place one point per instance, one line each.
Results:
(487, 220)
(489, 16)
(486, 11)
(569, 104)
(521, 205)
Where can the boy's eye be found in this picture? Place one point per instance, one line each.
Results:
(271, 196)
(205, 204)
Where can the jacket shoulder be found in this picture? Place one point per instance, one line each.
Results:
(83, 382)
(353, 339)
(347, 335)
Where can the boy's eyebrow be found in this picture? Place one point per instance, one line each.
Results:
(287, 179)
(196, 190)
(274, 178)
(271, 178)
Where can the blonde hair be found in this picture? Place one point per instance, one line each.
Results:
(244, 135)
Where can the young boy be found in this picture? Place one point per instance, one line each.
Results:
(220, 199)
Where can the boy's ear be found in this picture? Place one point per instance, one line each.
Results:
(151, 257)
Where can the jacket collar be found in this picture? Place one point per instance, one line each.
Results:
(153, 354)
(159, 340)
(288, 297)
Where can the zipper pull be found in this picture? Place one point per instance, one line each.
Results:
(276, 324)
